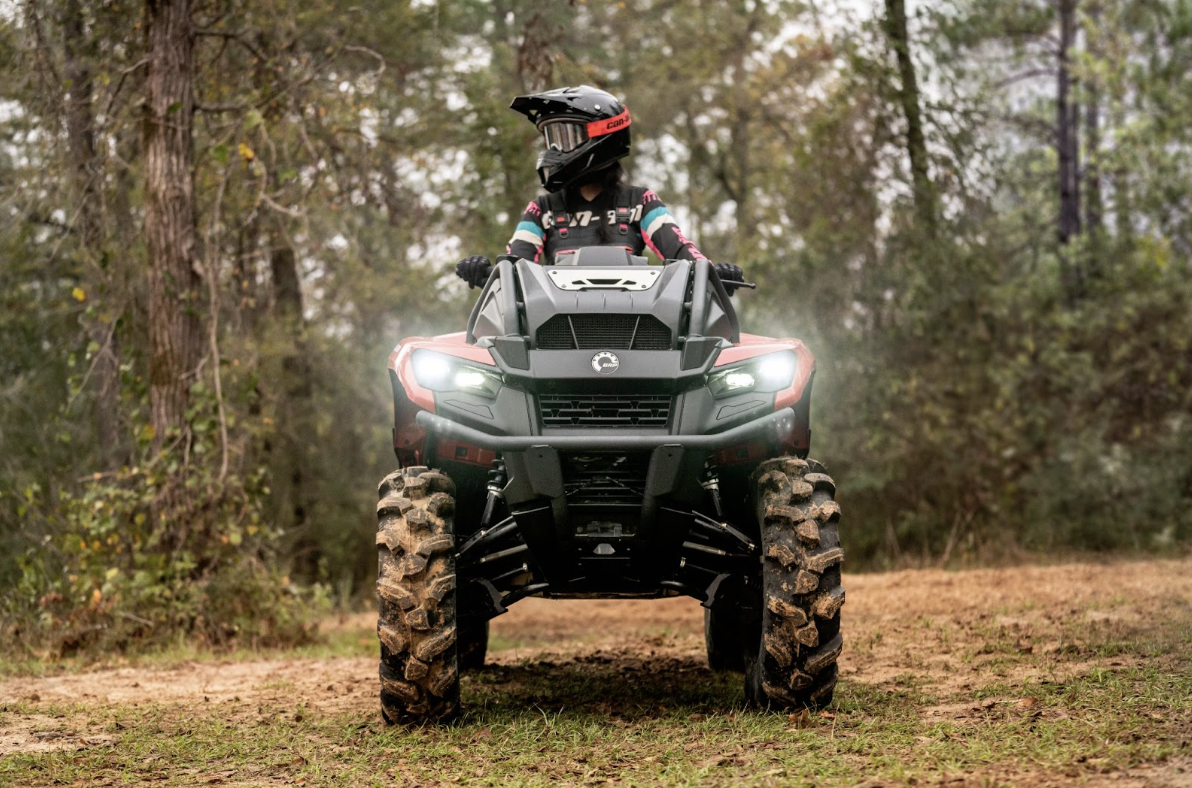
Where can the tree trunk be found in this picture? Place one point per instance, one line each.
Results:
(745, 239)
(292, 486)
(916, 140)
(1094, 210)
(1123, 207)
(738, 165)
(1067, 136)
(100, 320)
(175, 326)
(1067, 140)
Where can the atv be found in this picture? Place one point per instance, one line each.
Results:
(603, 429)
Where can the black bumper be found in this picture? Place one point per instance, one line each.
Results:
(775, 426)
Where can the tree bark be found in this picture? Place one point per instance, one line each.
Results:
(916, 139)
(1123, 206)
(100, 320)
(1067, 141)
(1067, 134)
(1093, 206)
(1093, 209)
(291, 466)
(175, 325)
(737, 163)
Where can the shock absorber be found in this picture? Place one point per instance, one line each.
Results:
(711, 483)
(496, 486)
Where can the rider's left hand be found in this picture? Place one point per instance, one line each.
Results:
(473, 270)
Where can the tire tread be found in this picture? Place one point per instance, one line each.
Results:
(416, 591)
(795, 665)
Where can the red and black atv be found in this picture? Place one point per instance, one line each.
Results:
(603, 429)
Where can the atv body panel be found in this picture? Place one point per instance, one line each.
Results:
(600, 420)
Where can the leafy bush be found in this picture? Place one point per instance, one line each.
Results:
(155, 552)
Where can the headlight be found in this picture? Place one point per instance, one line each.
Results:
(777, 371)
(469, 379)
(739, 380)
(431, 370)
(439, 372)
(772, 372)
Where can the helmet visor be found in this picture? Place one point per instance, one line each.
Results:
(563, 135)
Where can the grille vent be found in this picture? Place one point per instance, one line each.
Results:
(604, 478)
(604, 410)
(604, 332)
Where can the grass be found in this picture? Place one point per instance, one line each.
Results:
(591, 722)
(337, 638)
(1105, 697)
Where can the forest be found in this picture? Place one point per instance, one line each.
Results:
(219, 216)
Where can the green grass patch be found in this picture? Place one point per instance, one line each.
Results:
(352, 636)
(597, 719)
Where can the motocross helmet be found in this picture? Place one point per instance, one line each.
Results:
(585, 130)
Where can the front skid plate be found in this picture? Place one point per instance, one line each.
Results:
(645, 541)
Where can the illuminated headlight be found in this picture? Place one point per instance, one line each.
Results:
(469, 379)
(739, 380)
(777, 371)
(438, 372)
(767, 373)
(431, 370)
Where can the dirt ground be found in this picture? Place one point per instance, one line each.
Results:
(949, 634)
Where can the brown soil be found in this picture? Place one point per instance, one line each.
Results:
(947, 630)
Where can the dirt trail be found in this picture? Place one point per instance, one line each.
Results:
(893, 624)
(946, 630)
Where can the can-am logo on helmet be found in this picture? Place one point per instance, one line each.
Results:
(605, 363)
(599, 128)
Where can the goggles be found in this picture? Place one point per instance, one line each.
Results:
(564, 136)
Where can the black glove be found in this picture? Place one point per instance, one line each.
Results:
(729, 273)
(473, 270)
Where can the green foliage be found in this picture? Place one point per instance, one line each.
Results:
(152, 553)
(980, 388)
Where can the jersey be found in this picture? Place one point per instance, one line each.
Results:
(631, 217)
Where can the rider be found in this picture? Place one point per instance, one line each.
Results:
(586, 131)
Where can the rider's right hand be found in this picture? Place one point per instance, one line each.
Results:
(473, 270)
(729, 273)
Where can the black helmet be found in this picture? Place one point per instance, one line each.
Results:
(586, 130)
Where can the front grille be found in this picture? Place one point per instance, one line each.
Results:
(603, 479)
(604, 332)
(604, 410)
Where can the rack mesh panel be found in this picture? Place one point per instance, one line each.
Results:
(604, 332)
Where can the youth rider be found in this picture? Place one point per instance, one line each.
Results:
(586, 132)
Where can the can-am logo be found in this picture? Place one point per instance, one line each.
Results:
(605, 363)
(598, 128)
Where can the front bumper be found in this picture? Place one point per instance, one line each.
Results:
(776, 427)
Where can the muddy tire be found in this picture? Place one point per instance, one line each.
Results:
(416, 597)
(794, 665)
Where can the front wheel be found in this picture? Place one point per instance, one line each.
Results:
(727, 627)
(794, 665)
(416, 597)
(472, 642)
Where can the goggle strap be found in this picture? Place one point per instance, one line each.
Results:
(599, 128)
